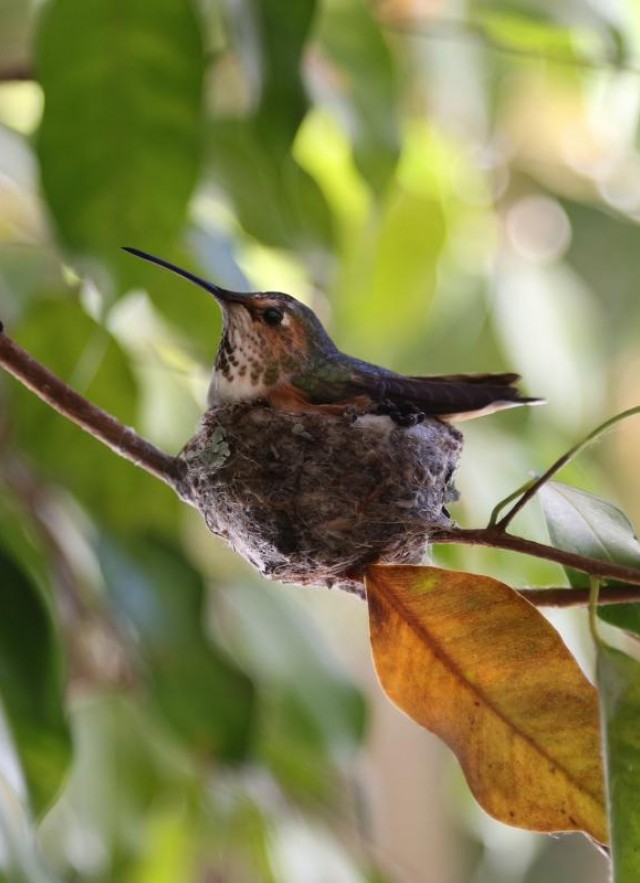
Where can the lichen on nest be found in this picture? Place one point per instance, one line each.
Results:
(314, 498)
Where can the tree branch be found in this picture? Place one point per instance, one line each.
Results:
(529, 490)
(120, 438)
(16, 73)
(499, 539)
(567, 597)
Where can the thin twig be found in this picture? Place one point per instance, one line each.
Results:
(567, 597)
(594, 600)
(498, 539)
(535, 486)
(120, 438)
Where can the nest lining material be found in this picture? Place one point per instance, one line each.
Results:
(314, 498)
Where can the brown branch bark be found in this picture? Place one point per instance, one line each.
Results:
(111, 432)
(567, 597)
(498, 539)
(16, 73)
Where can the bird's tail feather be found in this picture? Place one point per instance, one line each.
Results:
(456, 397)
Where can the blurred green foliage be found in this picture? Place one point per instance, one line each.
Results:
(31, 683)
(619, 682)
(452, 189)
(132, 98)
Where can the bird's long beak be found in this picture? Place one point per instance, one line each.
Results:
(220, 294)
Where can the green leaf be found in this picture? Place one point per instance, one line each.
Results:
(283, 102)
(583, 523)
(31, 686)
(528, 26)
(399, 256)
(119, 144)
(19, 539)
(84, 354)
(595, 232)
(202, 695)
(535, 35)
(625, 616)
(274, 198)
(366, 83)
(619, 683)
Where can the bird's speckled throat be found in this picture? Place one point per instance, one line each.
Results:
(241, 371)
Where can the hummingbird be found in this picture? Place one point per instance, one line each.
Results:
(274, 349)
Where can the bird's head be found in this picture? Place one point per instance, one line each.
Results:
(267, 335)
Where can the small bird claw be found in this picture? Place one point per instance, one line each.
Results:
(402, 413)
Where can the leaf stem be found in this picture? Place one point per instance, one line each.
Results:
(594, 593)
(497, 509)
(531, 489)
(98, 423)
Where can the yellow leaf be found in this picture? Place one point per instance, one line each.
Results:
(469, 659)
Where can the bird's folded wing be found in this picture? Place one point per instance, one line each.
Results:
(458, 396)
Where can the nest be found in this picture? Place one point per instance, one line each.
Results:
(313, 498)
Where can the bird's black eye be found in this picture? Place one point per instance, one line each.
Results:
(273, 316)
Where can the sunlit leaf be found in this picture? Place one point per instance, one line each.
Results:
(171, 852)
(31, 687)
(533, 34)
(470, 660)
(206, 699)
(527, 26)
(387, 292)
(588, 525)
(119, 144)
(585, 524)
(619, 683)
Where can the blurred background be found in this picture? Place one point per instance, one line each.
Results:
(453, 187)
